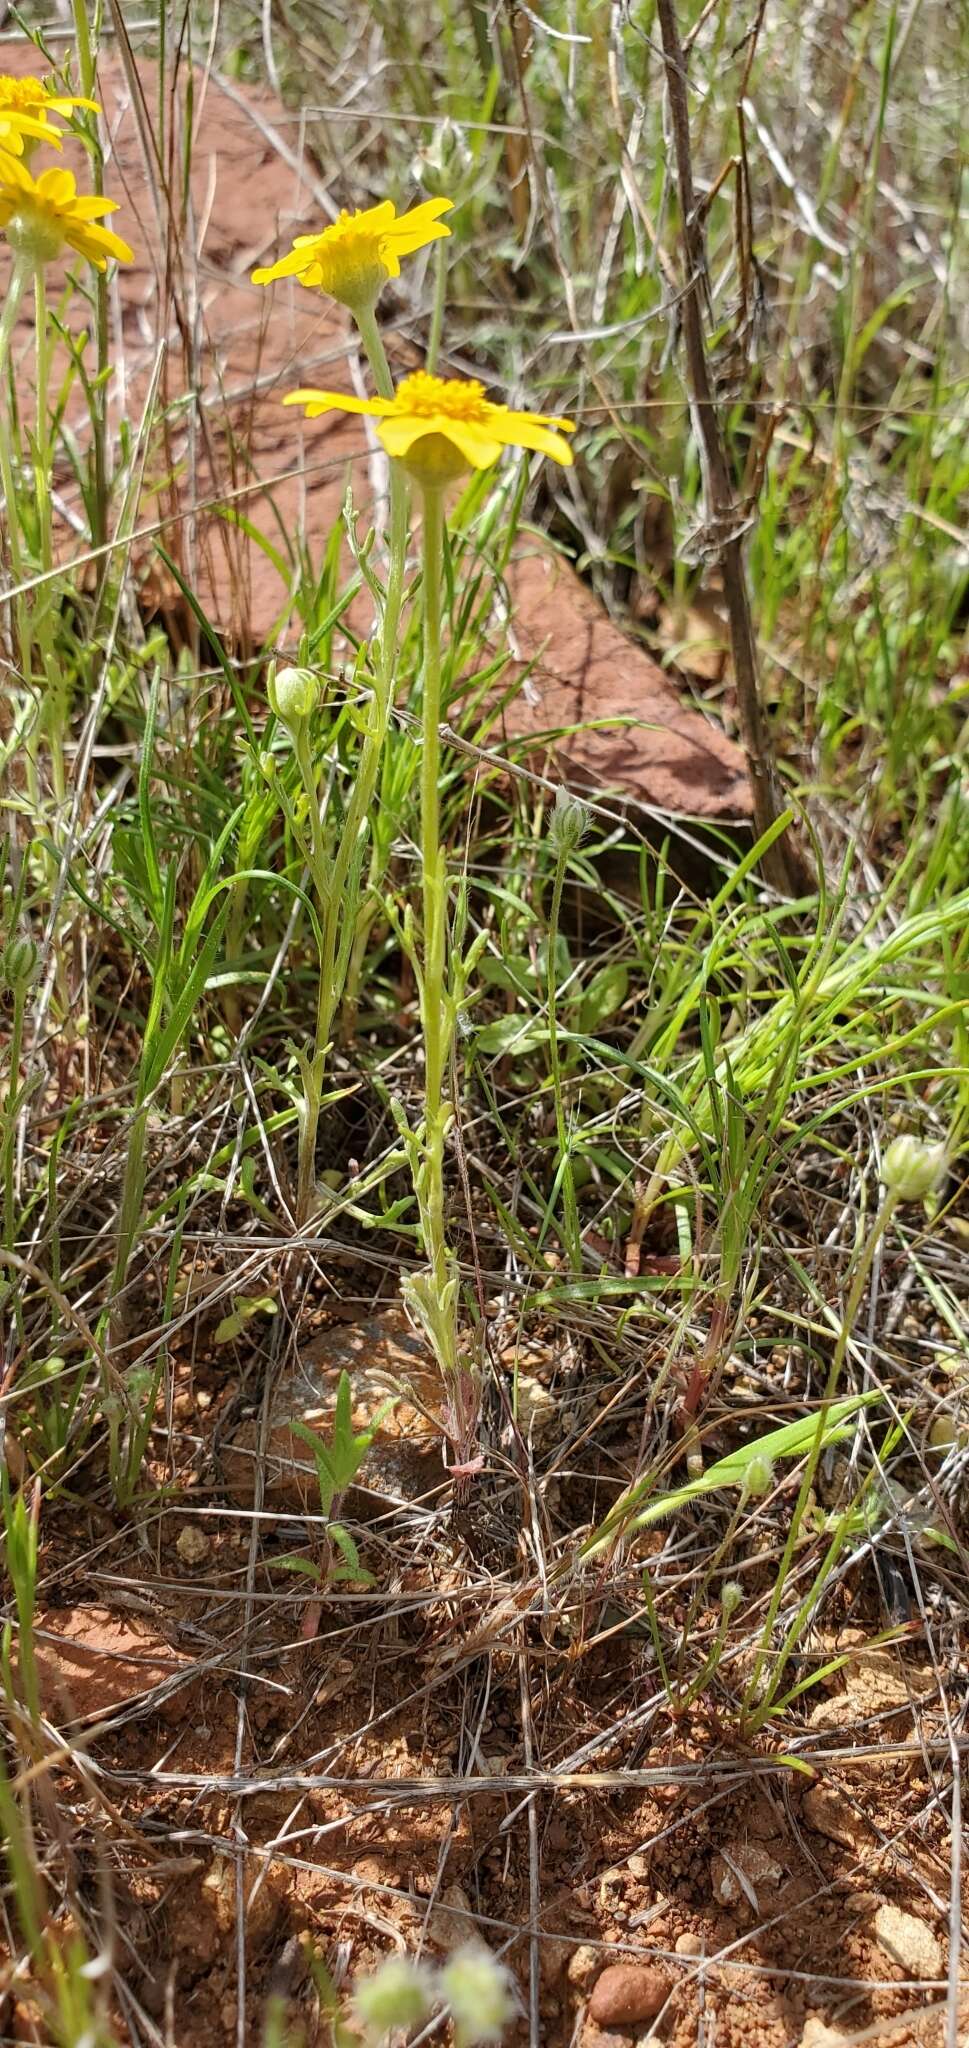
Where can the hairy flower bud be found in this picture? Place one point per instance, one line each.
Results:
(480, 1994)
(294, 694)
(912, 1169)
(19, 962)
(399, 1994)
(568, 822)
(731, 1597)
(759, 1476)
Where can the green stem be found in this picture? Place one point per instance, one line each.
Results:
(370, 335)
(437, 308)
(338, 918)
(15, 291)
(42, 435)
(10, 1115)
(573, 1237)
(852, 1306)
(87, 33)
(433, 992)
(22, 615)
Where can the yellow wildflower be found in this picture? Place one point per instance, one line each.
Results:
(26, 104)
(440, 427)
(353, 259)
(38, 216)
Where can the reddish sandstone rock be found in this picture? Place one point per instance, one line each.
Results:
(628, 1993)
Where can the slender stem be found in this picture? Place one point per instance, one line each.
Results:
(570, 1206)
(370, 335)
(437, 308)
(15, 290)
(42, 430)
(86, 44)
(433, 1019)
(10, 1113)
(22, 614)
(338, 918)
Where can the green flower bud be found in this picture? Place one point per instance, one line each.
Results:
(759, 1476)
(399, 1994)
(568, 822)
(480, 1994)
(731, 1597)
(911, 1169)
(20, 962)
(294, 694)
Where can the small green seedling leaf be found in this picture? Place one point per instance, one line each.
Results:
(338, 1463)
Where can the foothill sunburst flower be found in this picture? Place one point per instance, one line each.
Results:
(40, 216)
(26, 105)
(353, 258)
(440, 427)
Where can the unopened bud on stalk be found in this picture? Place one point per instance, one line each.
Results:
(731, 1597)
(911, 1169)
(568, 822)
(480, 1994)
(19, 962)
(399, 1994)
(294, 694)
(759, 1476)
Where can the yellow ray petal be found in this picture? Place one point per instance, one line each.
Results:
(318, 402)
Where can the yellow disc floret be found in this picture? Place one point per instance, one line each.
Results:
(440, 427)
(352, 259)
(39, 216)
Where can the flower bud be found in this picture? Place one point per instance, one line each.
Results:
(20, 962)
(568, 822)
(294, 694)
(480, 1994)
(399, 1994)
(731, 1597)
(758, 1477)
(911, 1169)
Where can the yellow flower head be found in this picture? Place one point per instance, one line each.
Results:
(39, 216)
(440, 427)
(353, 259)
(25, 107)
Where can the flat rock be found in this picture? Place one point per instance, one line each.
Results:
(91, 1662)
(382, 1356)
(741, 1868)
(909, 1942)
(828, 1811)
(636, 737)
(628, 1993)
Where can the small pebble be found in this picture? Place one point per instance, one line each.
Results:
(627, 1993)
(193, 1545)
